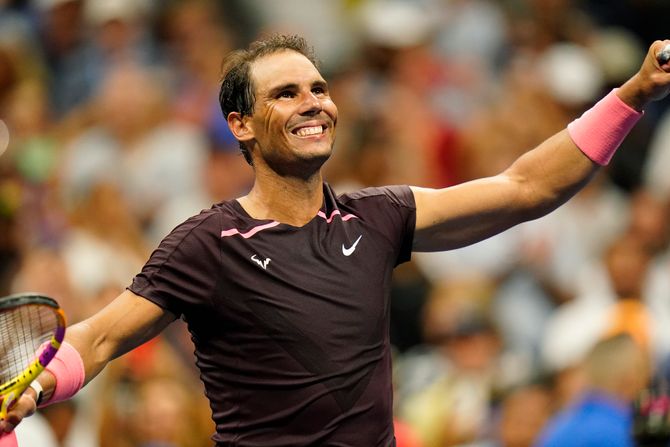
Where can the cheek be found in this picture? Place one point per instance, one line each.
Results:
(331, 109)
(274, 139)
(275, 123)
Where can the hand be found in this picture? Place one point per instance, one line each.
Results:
(651, 82)
(21, 409)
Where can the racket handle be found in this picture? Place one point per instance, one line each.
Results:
(7, 402)
(663, 56)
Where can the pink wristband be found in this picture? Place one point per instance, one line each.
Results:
(68, 369)
(601, 129)
(8, 439)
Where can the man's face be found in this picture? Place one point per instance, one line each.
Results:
(293, 122)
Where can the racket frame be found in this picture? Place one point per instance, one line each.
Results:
(11, 390)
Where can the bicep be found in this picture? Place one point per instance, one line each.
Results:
(119, 327)
(460, 215)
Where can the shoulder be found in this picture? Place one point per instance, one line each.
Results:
(400, 195)
(208, 221)
(207, 218)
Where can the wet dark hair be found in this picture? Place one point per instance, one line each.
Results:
(237, 92)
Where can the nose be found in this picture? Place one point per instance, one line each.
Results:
(311, 105)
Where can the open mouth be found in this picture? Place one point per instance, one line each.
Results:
(310, 131)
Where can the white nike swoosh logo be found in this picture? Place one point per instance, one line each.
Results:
(350, 250)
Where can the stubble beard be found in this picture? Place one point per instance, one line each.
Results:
(298, 165)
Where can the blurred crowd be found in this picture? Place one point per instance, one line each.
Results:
(115, 136)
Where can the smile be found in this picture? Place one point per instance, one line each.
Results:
(310, 131)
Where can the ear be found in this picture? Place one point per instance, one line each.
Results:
(240, 126)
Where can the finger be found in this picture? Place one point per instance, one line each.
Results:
(23, 408)
(6, 427)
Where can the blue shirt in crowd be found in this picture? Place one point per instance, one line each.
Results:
(595, 420)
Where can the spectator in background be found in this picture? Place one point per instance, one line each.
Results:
(194, 36)
(136, 144)
(150, 398)
(615, 304)
(520, 415)
(445, 392)
(63, 38)
(103, 244)
(616, 370)
(625, 295)
(83, 40)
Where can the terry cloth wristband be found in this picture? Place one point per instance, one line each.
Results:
(68, 368)
(8, 439)
(601, 129)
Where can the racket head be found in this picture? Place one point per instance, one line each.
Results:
(32, 328)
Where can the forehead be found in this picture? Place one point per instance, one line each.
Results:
(283, 67)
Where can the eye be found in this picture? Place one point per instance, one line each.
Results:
(286, 94)
(319, 91)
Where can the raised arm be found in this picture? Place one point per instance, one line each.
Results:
(537, 182)
(124, 324)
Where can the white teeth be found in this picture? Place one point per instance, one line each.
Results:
(305, 131)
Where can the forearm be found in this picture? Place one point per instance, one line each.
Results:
(597, 134)
(549, 175)
(121, 326)
(535, 184)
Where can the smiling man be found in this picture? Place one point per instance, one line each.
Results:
(285, 290)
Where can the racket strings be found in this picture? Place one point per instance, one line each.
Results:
(22, 331)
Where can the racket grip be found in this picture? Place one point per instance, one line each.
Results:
(663, 56)
(7, 402)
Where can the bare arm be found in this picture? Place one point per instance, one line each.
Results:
(536, 183)
(119, 327)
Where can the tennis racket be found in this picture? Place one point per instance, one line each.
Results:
(32, 327)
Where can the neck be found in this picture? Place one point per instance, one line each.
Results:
(287, 200)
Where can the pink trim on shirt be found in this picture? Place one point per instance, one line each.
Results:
(248, 234)
(332, 215)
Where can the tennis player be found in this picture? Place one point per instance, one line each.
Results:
(285, 290)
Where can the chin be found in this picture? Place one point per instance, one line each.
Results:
(314, 160)
(300, 165)
(320, 149)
